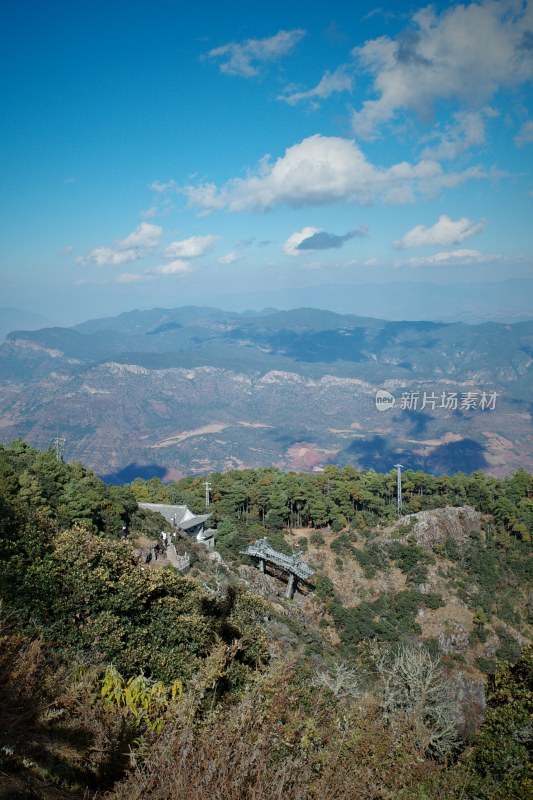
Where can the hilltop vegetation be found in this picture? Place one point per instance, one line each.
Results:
(464, 538)
(123, 680)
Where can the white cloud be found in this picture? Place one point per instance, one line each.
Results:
(245, 59)
(466, 54)
(312, 239)
(177, 267)
(229, 258)
(135, 246)
(145, 235)
(291, 245)
(149, 213)
(444, 232)
(453, 257)
(107, 256)
(191, 248)
(331, 82)
(161, 188)
(322, 170)
(525, 134)
(466, 131)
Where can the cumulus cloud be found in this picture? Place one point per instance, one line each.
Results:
(145, 235)
(326, 241)
(246, 58)
(525, 134)
(229, 258)
(193, 247)
(465, 54)
(331, 82)
(321, 170)
(295, 239)
(135, 246)
(176, 267)
(310, 239)
(444, 232)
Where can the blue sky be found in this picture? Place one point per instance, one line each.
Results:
(166, 154)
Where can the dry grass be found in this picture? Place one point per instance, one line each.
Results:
(281, 739)
(56, 740)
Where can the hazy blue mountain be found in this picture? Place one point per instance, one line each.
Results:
(196, 389)
(504, 301)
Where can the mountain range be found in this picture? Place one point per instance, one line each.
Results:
(190, 390)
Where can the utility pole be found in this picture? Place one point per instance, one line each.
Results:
(398, 468)
(207, 490)
(58, 444)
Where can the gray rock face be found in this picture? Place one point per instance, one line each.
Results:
(436, 526)
(259, 583)
(454, 639)
(469, 691)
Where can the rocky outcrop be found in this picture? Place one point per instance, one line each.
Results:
(438, 525)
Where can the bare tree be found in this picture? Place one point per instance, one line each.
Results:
(342, 680)
(414, 691)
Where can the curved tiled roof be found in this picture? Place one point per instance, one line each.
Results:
(180, 516)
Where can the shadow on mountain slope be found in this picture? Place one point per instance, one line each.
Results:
(128, 473)
(380, 454)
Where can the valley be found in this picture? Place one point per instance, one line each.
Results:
(193, 390)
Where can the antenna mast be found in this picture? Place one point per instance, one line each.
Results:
(58, 443)
(207, 490)
(398, 468)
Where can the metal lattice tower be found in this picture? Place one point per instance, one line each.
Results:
(58, 443)
(398, 468)
(207, 490)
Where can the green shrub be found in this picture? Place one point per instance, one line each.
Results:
(452, 550)
(433, 600)
(418, 574)
(500, 753)
(323, 587)
(509, 649)
(486, 665)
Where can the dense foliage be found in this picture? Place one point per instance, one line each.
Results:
(484, 573)
(100, 654)
(336, 496)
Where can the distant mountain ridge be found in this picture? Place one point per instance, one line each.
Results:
(473, 303)
(195, 389)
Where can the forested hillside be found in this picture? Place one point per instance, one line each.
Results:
(121, 679)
